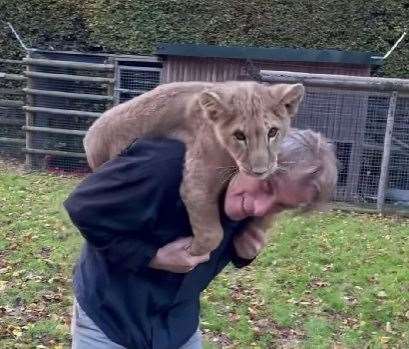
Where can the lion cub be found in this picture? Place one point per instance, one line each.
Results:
(224, 126)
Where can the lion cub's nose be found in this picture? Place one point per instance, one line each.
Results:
(259, 172)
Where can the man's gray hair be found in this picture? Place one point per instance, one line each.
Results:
(310, 157)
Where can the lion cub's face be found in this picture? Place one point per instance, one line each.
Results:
(250, 119)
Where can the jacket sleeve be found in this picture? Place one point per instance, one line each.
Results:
(239, 262)
(116, 207)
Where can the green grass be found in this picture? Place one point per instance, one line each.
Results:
(330, 280)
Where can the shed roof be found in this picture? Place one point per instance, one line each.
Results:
(269, 54)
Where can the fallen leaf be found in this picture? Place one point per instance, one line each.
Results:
(3, 285)
(382, 294)
(384, 339)
(388, 327)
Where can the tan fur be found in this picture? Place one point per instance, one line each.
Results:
(206, 117)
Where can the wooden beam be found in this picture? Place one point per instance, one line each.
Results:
(386, 152)
(11, 103)
(67, 64)
(110, 89)
(12, 121)
(12, 91)
(54, 130)
(15, 77)
(12, 140)
(337, 81)
(67, 112)
(67, 95)
(70, 77)
(55, 152)
(11, 61)
(29, 119)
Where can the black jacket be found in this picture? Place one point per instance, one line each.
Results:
(126, 210)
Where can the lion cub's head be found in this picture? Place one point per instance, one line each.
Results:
(250, 119)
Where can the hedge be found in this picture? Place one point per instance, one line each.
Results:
(136, 26)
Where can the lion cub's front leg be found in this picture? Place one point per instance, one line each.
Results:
(200, 191)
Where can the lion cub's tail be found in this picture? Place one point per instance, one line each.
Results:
(95, 149)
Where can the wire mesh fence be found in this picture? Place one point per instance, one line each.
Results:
(134, 81)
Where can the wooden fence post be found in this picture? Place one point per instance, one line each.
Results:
(29, 118)
(386, 152)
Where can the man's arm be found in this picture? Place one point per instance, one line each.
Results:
(116, 208)
(247, 245)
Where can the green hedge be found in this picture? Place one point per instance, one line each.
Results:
(50, 24)
(135, 26)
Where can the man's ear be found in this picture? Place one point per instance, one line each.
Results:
(290, 96)
(211, 102)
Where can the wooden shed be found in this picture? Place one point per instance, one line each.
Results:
(217, 63)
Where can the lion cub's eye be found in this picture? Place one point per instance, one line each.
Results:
(272, 132)
(239, 135)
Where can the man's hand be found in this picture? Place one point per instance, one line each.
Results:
(249, 242)
(174, 257)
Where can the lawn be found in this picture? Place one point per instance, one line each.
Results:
(330, 280)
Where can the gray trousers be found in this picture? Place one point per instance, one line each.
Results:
(86, 335)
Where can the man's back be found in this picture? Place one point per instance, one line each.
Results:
(126, 211)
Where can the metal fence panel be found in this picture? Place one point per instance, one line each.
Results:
(12, 116)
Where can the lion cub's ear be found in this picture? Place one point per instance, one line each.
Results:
(211, 102)
(290, 96)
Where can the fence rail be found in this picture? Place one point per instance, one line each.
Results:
(66, 112)
(346, 82)
(69, 77)
(68, 64)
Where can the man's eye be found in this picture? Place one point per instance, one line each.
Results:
(239, 135)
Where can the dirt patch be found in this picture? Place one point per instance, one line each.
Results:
(8, 163)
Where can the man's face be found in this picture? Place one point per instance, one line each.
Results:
(251, 197)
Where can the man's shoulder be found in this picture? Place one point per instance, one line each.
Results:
(159, 156)
(157, 148)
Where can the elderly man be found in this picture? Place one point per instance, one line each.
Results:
(135, 284)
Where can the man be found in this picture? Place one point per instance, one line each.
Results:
(136, 286)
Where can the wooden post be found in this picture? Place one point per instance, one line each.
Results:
(386, 152)
(29, 119)
(111, 85)
(117, 83)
